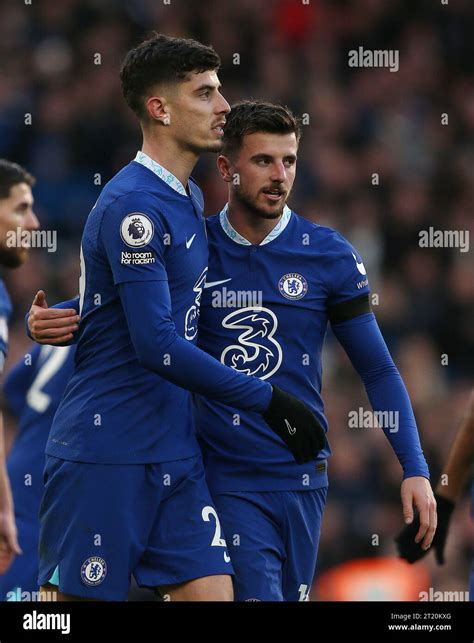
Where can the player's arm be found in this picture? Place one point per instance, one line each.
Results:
(159, 348)
(448, 490)
(15, 389)
(357, 330)
(151, 301)
(363, 342)
(9, 546)
(460, 458)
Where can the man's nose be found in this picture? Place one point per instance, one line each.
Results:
(278, 173)
(223, 106)
(32, 222)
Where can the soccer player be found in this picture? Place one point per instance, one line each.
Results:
(16, 215)
(447, 492)
(32, 390)
(275, 280)
(125, 490)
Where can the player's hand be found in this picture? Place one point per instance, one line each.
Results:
(416, 538)
(51, 325)
(9, 547)
(296, 425)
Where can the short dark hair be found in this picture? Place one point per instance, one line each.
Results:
(249, 117)
(11, 174)
(162, 59)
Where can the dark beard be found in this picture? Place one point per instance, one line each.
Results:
(254, 209)
(10, 258)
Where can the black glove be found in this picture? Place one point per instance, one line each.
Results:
(296, 425)
(412, 551)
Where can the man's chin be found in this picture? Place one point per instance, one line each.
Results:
(13, 258)
(271, 213)
(214, 146)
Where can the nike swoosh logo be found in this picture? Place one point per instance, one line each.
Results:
(211, 284)
(360, 266)
(189, 243)
(291, 430)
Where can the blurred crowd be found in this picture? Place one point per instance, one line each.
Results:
(384, 156)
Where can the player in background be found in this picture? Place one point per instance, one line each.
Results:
(33, 389)
(125, 490)
(16, 216)
(458, 467)
(275, 280)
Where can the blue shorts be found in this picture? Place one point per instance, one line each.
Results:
(273, 540)
(101, 523)
(20, 581)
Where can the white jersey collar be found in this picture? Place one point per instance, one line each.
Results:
(160, 171)
(238, 238)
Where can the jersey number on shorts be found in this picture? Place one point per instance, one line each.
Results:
(217, 540)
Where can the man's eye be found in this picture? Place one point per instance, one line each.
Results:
(290, 162)
(263, 161)
(206, 94)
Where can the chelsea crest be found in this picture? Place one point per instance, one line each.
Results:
(293, 286)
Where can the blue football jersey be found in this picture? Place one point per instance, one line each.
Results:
(33, 389)
(5, 312)
(114, 410)
(265, 310)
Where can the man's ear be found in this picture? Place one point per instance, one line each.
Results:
(225, 167)
(158, 109)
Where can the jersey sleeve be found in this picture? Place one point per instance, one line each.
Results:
(134, 237)
(363, 342)
(147, 308)
(348, 283)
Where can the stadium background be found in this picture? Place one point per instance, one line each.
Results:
(361, 121)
